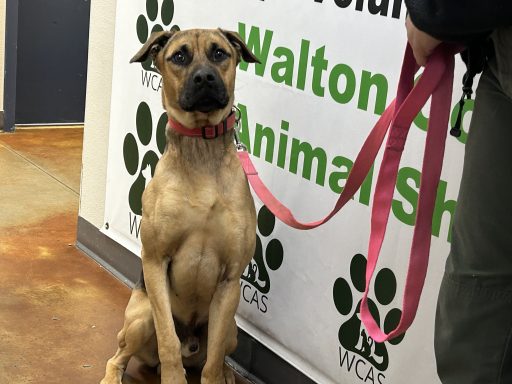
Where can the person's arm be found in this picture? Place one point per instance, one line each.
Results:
(459, 20)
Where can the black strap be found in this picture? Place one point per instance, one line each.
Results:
(476, 57)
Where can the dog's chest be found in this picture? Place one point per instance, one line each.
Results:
(200, 210)
(205, 224)
(202, 221)
(192, 205)
(207, 241)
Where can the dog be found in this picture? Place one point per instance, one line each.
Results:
(198, 228)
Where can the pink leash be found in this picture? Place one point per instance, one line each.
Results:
(436, 81)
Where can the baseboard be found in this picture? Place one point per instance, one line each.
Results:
(50, 126)
(268, 367)
(115, 258)
(252, 360)
(2, 120)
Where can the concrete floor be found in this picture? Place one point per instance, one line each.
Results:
(59, 311)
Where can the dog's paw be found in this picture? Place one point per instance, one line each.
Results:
(113, 374)
(226, 376)
(173, 373)
(174, 379)
(229, 377)
(105, 380)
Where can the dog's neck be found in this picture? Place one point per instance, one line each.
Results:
(206, 131)
(197, 152)
(196, 119)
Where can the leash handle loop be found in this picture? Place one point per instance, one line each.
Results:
(436, 81)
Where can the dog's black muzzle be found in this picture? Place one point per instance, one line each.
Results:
(204, 91)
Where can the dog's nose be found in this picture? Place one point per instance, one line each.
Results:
(204, 76)
(193, 347)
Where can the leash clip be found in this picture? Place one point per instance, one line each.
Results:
(240, 147)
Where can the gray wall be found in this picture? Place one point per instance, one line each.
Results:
(46, 61)
(2, 50)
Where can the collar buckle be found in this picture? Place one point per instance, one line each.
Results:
(210, 132)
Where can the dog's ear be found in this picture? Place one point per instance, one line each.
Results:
(154, 44)
(237, 42)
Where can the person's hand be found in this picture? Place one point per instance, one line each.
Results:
(422, 43)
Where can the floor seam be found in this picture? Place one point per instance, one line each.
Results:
(12, 150)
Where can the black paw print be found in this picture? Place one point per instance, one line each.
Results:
(256, 273)
(143, 21)
(144, 169)
(352, 335)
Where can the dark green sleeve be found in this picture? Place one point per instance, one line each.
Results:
(459, 20)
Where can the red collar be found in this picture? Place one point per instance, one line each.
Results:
(206, 132)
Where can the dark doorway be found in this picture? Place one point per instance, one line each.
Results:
(50, 56)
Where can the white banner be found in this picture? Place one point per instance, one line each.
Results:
(329, 68)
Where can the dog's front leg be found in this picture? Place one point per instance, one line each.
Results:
(221, 331)
(169, 347)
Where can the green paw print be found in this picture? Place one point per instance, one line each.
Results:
(256, 272)
(166, 11)
(142, 167)
(352, 335)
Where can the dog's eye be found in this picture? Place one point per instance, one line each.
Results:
(219, 54)
(179, 58)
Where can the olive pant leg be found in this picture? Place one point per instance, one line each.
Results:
(474, 313)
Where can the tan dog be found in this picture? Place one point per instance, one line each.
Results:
(198, 228)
